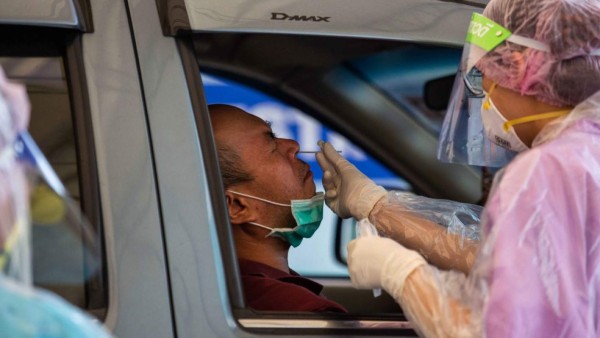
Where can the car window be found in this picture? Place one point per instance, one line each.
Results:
(323, 77)
(62, 260)
(403, 74)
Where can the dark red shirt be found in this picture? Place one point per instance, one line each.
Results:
(270, 289)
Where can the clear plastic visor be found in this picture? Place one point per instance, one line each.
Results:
(462, 138)
(33, 200)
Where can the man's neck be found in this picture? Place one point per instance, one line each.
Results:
(272, 252)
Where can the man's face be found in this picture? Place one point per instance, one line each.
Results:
(278, 174)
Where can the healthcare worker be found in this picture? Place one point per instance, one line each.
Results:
(25, 311)
(528, 82)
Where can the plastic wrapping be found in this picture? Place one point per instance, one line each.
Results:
(445, 232)
(537, 271)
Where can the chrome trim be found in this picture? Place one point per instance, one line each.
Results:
(262, 323)
(55, 13)
(430, 21)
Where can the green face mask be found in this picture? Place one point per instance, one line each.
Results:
(308, 214)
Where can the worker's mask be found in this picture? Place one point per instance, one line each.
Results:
(500, 131)
(308, 214)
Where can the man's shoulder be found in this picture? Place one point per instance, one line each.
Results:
(256, 273)
(280, 291)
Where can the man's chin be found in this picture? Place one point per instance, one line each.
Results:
(312, 189)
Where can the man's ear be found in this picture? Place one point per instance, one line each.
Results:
(239, 210)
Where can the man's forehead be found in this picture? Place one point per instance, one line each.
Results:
(236, 121)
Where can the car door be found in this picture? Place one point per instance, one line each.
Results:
(77, 60)
(129, 74)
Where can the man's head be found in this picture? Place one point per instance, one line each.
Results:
(254, 161)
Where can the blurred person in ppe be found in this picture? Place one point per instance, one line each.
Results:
(24, 310)
(527, 94)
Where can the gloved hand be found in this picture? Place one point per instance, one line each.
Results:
(348, 192)
(375, 262)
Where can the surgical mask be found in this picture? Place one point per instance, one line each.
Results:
(501, 131)
(308, 214)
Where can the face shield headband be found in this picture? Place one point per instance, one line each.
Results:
(463, 138)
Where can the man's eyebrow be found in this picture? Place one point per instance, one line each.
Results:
(269, 133)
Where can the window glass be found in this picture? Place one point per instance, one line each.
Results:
(60, 260)
(403, 73)
(289, 122)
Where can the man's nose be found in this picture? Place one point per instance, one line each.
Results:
(291, 147)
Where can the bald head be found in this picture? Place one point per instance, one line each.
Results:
(225, 121)
(221, 116)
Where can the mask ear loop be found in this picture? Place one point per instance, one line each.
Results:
(258, 198)
(509, 124)
(10, 242)
(273, 230)
(486, 104)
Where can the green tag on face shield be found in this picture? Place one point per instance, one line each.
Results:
(485, 33)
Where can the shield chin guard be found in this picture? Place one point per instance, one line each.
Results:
(462, 137)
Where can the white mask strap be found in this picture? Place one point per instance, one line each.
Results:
(531, 43)
(527, 42)
(260, 199)
(273, 230)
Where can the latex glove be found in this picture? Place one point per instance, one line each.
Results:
(348, 192)
(375, 262)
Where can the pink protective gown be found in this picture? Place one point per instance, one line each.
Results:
(542, 230)
(537, 270)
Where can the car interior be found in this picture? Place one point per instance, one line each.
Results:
(386, 95)
(343, 82)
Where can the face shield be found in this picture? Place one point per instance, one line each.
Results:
(463, 138)
(31, 195)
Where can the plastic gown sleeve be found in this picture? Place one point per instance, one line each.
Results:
(434, 301)
(445, 232)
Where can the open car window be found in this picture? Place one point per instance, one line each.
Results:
(330, 80)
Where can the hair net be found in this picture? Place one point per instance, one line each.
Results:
(563, 76)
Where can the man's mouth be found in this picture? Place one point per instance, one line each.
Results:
(306, 173)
